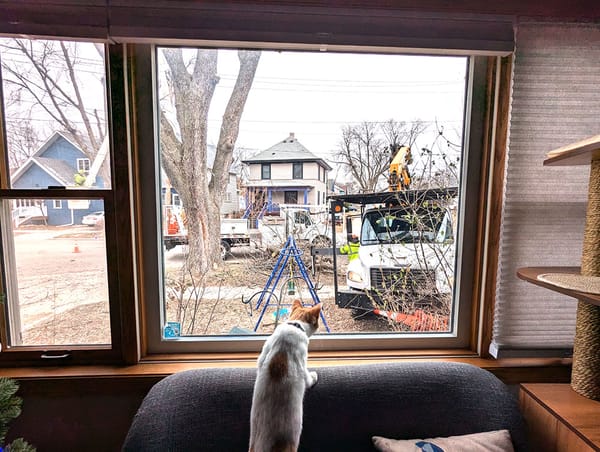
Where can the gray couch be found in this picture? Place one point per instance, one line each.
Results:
(209, 409)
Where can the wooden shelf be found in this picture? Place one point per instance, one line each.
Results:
(530, 274)
(579, 153)
(560, 419)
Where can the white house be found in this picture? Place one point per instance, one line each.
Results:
(286, 173)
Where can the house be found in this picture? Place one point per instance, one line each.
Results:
(57, 163)
(79, 401)
(231, 198)
(285, 173)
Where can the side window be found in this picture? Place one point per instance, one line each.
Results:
(57, 270)
(83, 166)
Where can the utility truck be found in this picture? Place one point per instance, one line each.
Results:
(234, 231)
(308, 224)
(406, 251)
(270, 232)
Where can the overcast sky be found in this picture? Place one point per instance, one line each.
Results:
(314, 94)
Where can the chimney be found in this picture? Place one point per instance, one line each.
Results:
(291, 137)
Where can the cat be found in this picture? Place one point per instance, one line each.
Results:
(282, 378)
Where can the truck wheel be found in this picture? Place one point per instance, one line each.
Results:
(169, 246)
(225, 249)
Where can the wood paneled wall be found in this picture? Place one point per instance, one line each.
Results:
(83, 414)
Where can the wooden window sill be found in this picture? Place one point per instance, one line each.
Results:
(509, 370)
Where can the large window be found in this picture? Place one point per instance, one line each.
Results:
(197, 308)
(67, 272)
(59, 279)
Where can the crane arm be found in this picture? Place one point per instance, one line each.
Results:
(399, 178)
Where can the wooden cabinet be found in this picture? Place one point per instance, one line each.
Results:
(559, 419)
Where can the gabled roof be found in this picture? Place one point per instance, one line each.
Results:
(55, 168)
(287, 151)
(59, 169)
(50, 141)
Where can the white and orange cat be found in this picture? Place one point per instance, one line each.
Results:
(282, 378)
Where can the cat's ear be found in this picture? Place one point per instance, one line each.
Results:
(296, 305)
(317, 308)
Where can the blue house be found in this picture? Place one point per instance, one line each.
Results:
(59, 162)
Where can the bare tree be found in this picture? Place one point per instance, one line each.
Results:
(439, 161)
(364, 154)
(43, 77)
(184, 144)
(401, 133)
(23, 140)
(365, 149)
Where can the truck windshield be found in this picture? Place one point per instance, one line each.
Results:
(401, 225)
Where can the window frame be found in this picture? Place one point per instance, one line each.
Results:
(148, 232)
(86, 162)
(118, 234)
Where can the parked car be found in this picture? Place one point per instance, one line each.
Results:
(94, 219)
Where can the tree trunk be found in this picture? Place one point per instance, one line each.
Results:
(184, 159)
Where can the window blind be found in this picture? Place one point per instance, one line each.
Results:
(555, 101)
(55, 18)
(310, 26)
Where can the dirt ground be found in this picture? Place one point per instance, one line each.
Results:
(63, 293)
(233, 303)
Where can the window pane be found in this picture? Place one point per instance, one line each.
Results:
(349, 108)
(55, 112)
(266, 171)
(297, 171)
(54, 258)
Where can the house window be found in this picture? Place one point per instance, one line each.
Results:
(172, 316)
(291, 197)
(297, 170)
(227, 196)
(69, 300)
(83, 166)
(265, 171)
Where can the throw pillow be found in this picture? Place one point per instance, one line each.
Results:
(496, 441)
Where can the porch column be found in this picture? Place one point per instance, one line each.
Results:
(269, 200)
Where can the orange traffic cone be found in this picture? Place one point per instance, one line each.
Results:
(76, 248)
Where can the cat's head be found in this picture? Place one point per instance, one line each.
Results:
(309, 316)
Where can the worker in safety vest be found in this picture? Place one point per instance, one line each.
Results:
(351, 248)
